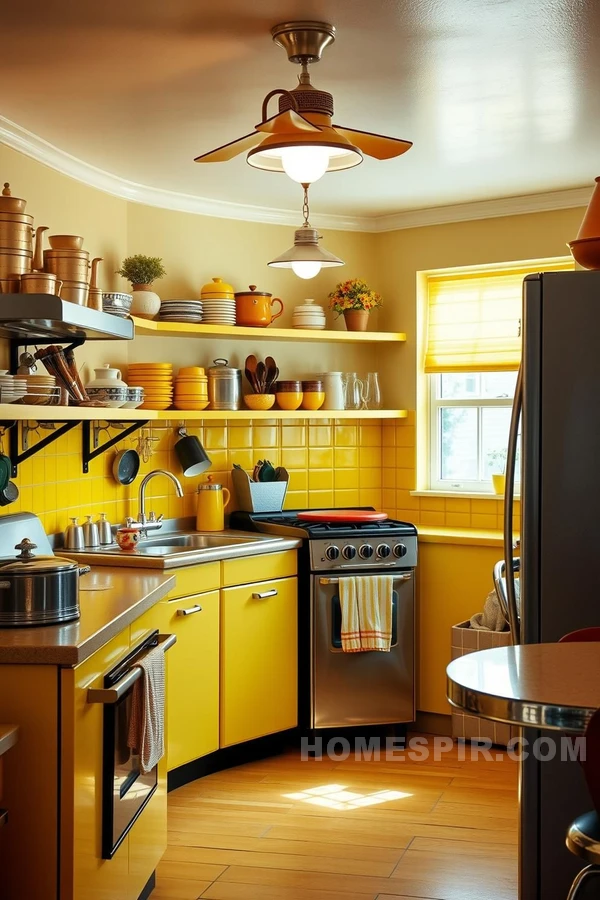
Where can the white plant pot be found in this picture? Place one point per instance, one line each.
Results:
(146, 304)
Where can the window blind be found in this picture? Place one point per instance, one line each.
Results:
(474, 318)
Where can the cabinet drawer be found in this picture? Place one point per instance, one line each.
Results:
(196, 580)
(254, 568)
(259, 654)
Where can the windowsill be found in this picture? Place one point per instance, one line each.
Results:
(429, 534)
(462, 495)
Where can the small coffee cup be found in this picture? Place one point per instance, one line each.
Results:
(127, 538)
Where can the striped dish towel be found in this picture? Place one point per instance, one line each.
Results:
(147, 723)
(366, 605)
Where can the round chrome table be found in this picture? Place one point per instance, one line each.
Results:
(555, 686)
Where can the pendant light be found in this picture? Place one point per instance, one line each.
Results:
(306, 258)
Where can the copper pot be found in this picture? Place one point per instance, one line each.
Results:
(75, 292)
(95, 293)
(10, 285)
(11, 204)
(70, 265)
(253, 308)
(40, 283)
(65, 242)
(14, 262)
(16, 236)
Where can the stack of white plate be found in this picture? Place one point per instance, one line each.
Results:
(180, 311)
(218, 311)
(12, 387)
(309, 315)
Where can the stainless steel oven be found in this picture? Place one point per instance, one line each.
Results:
(125, 788)
(366, 688)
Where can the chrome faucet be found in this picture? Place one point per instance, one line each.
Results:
(151, 522)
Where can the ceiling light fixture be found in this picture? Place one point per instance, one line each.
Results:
(301, 139)
(306, 258)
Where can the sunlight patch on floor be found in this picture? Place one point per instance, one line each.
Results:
(335, 796)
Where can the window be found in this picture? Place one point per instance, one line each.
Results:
(469, 423)
(472, 353)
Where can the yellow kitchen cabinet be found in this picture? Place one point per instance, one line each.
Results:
(193, 683)
(196, 580)
(259, 652)
(258, 568)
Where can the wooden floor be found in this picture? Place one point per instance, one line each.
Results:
(447, 832)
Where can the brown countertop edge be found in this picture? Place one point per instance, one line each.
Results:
(128, 593)
(8, 737)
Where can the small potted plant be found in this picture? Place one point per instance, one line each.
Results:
(355, 299)
(142, 272)
(497, 460)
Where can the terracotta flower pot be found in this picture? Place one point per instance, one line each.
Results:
(356, 319)
(590, 227)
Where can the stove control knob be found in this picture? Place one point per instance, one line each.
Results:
(365, 551)
(383, 551)
(400, 550)
(332, 552)
(348, 552)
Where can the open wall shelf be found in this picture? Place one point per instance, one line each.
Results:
(149, 327)
(16, 412)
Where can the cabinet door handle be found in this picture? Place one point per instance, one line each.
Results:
(3, 817)
(190, 611)
(262, 595)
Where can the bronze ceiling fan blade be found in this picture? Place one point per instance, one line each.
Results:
(377, 145)
(233, 148)
(286, 122)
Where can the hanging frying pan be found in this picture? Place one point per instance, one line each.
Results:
(342, 515)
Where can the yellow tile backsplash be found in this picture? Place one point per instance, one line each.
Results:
(331, 463)
(327, 465)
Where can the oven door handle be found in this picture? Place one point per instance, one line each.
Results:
(114, 694)
(404, 577)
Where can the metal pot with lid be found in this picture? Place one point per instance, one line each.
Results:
(224, 385)
(38, 590)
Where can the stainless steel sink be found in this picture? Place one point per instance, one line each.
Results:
(172, 549)
(197, 541)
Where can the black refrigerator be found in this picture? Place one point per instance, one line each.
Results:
(559, 390)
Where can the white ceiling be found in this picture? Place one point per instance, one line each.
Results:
(501, 97)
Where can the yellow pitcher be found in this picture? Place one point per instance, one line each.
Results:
(210, 513)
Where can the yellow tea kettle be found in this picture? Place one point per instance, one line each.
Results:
(210, 512)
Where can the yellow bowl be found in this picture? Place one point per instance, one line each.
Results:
(259, 401)
(195, 371)
(289, 399)
(190, 404)
(313, 399)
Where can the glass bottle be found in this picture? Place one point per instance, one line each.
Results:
(373, 391)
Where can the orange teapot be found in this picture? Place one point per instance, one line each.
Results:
(254, 308)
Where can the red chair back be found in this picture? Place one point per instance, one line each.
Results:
(582, 635)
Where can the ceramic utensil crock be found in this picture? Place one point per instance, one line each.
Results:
(42, 590)
(254, 308)
(212, 500)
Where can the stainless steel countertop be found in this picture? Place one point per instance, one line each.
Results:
(110, 599)
(147, 558)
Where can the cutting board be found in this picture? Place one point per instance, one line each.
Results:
(342, 515)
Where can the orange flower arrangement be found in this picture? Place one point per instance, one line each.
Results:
(353, 294)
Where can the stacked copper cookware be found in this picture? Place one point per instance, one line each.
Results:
(63, 269)
(16, 242)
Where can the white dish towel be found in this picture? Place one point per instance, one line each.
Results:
(366, 603)
(147, 723)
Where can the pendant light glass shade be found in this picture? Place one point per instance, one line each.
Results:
(306, 258)
(305, 161)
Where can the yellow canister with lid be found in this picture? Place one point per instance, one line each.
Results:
(212, 500)
(217, 289)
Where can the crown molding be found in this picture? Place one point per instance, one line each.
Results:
(484, 209)
(42, 151)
